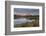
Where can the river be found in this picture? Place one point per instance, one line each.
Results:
(21, 20)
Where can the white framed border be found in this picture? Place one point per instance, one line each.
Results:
(26, 28)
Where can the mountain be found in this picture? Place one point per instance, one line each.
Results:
(23, 14)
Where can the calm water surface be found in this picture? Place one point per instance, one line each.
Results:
(21, 20)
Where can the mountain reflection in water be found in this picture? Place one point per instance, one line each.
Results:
(21, 20)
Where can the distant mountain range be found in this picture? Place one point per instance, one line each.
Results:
(23, 14)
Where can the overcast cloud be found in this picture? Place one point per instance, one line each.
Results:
(26, 10)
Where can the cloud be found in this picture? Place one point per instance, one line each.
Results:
(26, 10)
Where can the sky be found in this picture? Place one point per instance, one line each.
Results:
(26, 10)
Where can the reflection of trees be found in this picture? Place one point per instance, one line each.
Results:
(27, 17)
